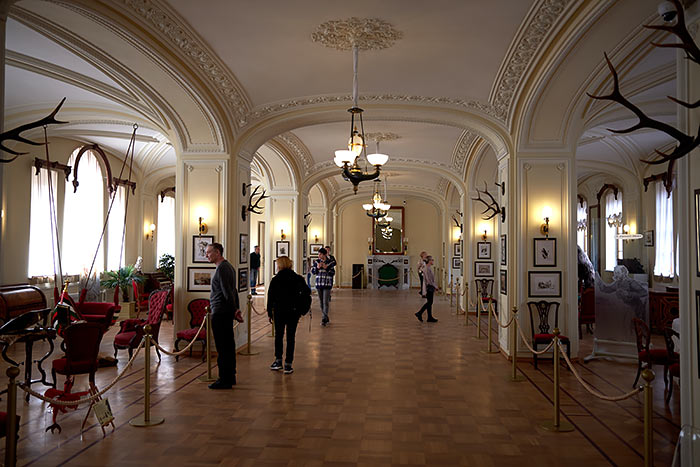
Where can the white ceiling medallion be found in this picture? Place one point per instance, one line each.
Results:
(365, 33)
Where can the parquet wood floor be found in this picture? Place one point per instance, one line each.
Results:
(376, 387)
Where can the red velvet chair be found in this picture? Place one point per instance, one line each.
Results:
(647, 355)
(94, 312)
(673, 366)
(198, 310)
(586, 312)
(542, 308)
(141, 301)
(131, 331)
(484, 292)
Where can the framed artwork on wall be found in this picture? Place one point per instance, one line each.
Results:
(504, 250)
(243, 248)
(545, 252)
(199, 279)
(483, 268)
(483, 250)
(649, 238)
(456, 263)
(304, 249)
(242, 279)
(457, 249)
(544, 284)
(199, 247)
(504, 281)
(282, 248)
(314, 247)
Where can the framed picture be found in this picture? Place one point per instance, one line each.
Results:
(456, 263)
(544, 284)
(504, 281)
(649, 238)
(243, 248)
(457, 249)
(504, 250)
(282, 248)
(545, 252)
(697, 327)
(483, 268)
(199, 247)
(305, 267)
(697, 233)
(303, 249)
(483, 250)
(313, 250)
(199, 279)
(243, 281)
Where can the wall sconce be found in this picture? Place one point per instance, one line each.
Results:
(202, 229)
(316, 238)
(546, 215)
(483, 237)
(282, 235)
(152, 230)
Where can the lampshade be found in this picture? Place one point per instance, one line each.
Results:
(546, 212)
(367, 207)
(377, 158)
(338, 162)
(384, 206)
(345, 156)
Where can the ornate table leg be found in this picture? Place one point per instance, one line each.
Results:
(41, 360)
(6, 358)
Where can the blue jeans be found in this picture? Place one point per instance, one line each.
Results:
(254, 277)
(324, 296)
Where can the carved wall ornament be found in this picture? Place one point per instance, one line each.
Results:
(459, 154)
(381, 136)
(297, 148)
(366, 33)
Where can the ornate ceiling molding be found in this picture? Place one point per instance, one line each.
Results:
(542, 18)
(365, 33)
(298, 149)
(459, 154)
(381, 136)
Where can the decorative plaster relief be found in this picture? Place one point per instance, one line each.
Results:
(459, 154)
(298, 149)
(381, 136)
(365, 33)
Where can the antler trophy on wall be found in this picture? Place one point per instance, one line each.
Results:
(253, 207)
(14, 134)
(492, 206)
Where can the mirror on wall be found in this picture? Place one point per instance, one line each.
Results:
(388, 232)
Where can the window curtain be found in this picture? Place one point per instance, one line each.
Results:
(115, 230)
(612, 206)
(582, 218)
(664, 264)
(41, 247)
(165, 230)
(83, 217)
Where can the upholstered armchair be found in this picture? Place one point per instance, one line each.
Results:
(198, 310)
(94, 312)
(131, 330)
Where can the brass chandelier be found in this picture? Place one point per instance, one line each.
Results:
(378, 208)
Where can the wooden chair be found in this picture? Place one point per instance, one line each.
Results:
(484, 293)
(141, 301)
(673, 366)
(198, 310)
(647, 355)
(543, 308)
(131, 331)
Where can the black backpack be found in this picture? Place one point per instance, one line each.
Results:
(301, 301)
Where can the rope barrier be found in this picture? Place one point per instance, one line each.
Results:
(546, 349)
(388, 280)
(256, 310)
(91, 398)
(590, 389)
(358, 274)
(493, 312)
(178, 353)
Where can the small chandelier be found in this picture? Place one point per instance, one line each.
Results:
(378, 207)
(347, 159)
(615, 220)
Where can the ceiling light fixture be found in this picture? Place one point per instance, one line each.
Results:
(378, 207)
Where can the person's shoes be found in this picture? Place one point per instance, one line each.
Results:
(253, 292)
(219, 384)
(288, 368)
(323, 323)
(276, 365)
(419, 315)
(432, 320)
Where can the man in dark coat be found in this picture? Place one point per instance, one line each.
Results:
(254, 269)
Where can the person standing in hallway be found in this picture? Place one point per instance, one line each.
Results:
(254, 269)
(223, 302)
(420, 269)
(429, 287)
(288, 299)
(333, 262)
(324, 270)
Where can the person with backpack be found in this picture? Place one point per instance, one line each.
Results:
(288, 299)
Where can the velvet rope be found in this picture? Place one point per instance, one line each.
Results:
(546, 349)
(177, 354)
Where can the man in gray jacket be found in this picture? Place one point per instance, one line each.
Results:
(223, 302)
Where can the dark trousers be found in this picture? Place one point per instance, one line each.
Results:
(421, 284)
(428, 305)
(222, 329)
(290, 324)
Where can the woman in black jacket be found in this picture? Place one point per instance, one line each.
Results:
(288, 297)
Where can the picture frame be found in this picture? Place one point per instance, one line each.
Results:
(483, 268)
(545, 252)
(243, 248)
(304, 249)
(282, 248)
(649, 238)
(243, 280)
(199, 278)
(457, 249)
(199, 247)
(456, 263)
(314, 247)
(697, 327)
(544, 284)
(697, 233)
(503, 281)
(483, 250)
(305, 267)
(504, 250)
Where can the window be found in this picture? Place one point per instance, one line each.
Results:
(165, 231)
(613, 215)
(83, 217)
(115, 230)
(664, 264)
(42, 231)
(582, 225)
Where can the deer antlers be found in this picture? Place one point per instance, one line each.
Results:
(14, 134)
(492, 206)
(256, 208)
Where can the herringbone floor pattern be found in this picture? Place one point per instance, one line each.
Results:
(376, 387)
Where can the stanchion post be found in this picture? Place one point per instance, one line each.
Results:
(479, 303)
(488, 337)
(648, 376)
(208, 377)
(248, 350)
(11, 421)
(557, 425)
(145, 419)
(466, 303)
(514, 376)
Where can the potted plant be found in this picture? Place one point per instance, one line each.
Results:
(166, 265)
(122, 278)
